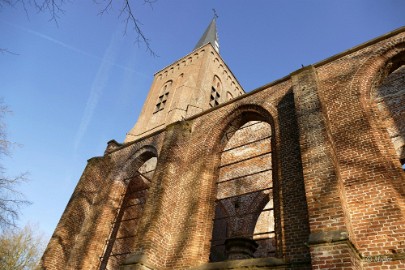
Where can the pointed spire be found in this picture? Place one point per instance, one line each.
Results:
(210, 35)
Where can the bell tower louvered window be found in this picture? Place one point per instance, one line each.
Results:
(164, 95)
(215, 92)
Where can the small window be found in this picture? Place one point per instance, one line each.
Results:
(214, 98)
(216, 89)
(161, 103)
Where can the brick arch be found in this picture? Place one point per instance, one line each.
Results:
(240, 116)
(379, 100)
(229, 124)
(368, 77)
(382, 169)
(135, 160)
(232, 121)
(131, 192)
(259, 203)
(376, 68)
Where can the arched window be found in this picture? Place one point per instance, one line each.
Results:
(389, 98)
(215, 92)
(229, 95)
(164, 95)
(121, 242)
(244, 224)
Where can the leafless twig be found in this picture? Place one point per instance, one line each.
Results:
(55, 10)
(11, 200)
(53, 7)
(130, 19)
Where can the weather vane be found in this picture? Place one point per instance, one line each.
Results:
(215, 13)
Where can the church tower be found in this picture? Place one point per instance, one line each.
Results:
(193, 84)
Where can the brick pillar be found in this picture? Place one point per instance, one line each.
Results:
(170, 234)
(69, 246)
(325, 212)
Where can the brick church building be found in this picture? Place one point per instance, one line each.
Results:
(302, 173)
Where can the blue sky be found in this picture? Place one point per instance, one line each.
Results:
(75, 86)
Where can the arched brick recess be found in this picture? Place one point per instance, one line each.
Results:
(133, 162)
(134, 180)
(369, 76)
(244, 181)
(372, 73)
(79, 239)
(288, 180)
(381, 174)
(230, 123)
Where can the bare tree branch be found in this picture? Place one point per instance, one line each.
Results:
(11, 200)
(55, 9)
(107, 7)
(130, 19)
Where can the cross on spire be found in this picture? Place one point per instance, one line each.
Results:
(215, 14)
(210, 35)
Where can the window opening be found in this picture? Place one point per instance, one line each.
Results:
(214, 98)
(161, 103)
(244, 212)
(123, 228)
(388, 98)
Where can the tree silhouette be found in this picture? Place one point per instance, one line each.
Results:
(11, 200)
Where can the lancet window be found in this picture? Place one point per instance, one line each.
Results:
(389, 98)
(244, 223)
(215, 92)
(164, 95)
(123, 229)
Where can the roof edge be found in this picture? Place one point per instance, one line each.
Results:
(360, 46)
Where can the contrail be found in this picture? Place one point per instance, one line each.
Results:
(67, 46)
(97, 87)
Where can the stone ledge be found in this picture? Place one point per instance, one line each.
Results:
(136, 262)
(259, 263)
(327, 237)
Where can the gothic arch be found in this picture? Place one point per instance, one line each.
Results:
(134, 178)
(368, 78)
(239, 116)
(245, 189)
(163, 96)
(216, 92)
(140, 156)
